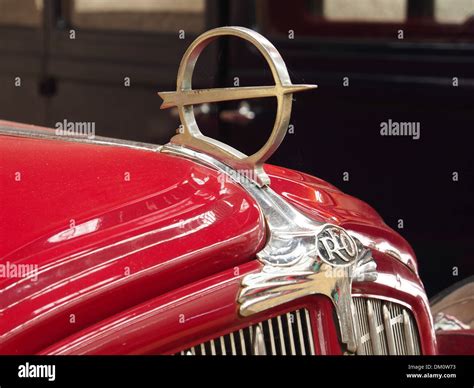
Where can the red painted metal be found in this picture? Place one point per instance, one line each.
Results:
(207, 309)
(186, 317)
(153, 264)
(456, 342)
(324, 202)
(172, 223)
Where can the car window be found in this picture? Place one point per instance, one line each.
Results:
(139, 15)
(408, 20)
(25, 13)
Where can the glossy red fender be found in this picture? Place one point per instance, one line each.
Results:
(124, 238)
(108, 227)
(207, 309)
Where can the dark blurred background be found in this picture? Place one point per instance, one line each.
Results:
(405, 60)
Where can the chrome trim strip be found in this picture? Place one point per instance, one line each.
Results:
(48, 134)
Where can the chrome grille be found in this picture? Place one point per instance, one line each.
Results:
(287, 334)
(384, 328)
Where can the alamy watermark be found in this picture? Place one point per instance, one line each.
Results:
(32, 371)
(75, 129)
(13, 271)
(241, 176)
(400, 128)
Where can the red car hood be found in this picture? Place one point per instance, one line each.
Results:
(87, 220)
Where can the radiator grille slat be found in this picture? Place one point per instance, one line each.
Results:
(272, 337)
(287, 334)
(385, 328)
(309, 330)
(377, 304)
(289, 321)
(300, 333)
(242, 343)
(376, 346)
(232, 344)
(281, 336)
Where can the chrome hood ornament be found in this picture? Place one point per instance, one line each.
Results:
(302, 256)
(185, 97)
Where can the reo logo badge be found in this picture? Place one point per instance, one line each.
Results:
(335, 246)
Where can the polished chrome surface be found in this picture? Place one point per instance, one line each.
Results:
(384, 328)
(291, 233)
(288, 334)
(185, 97)
(408, 330)
(334, 246)
(445, 322)
(258, 342)
(49, 134)
(375, 328)
(292, 267)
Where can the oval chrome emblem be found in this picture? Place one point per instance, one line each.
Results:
(185, 97)
(335, 246)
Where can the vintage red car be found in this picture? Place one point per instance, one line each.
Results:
(117, 247)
